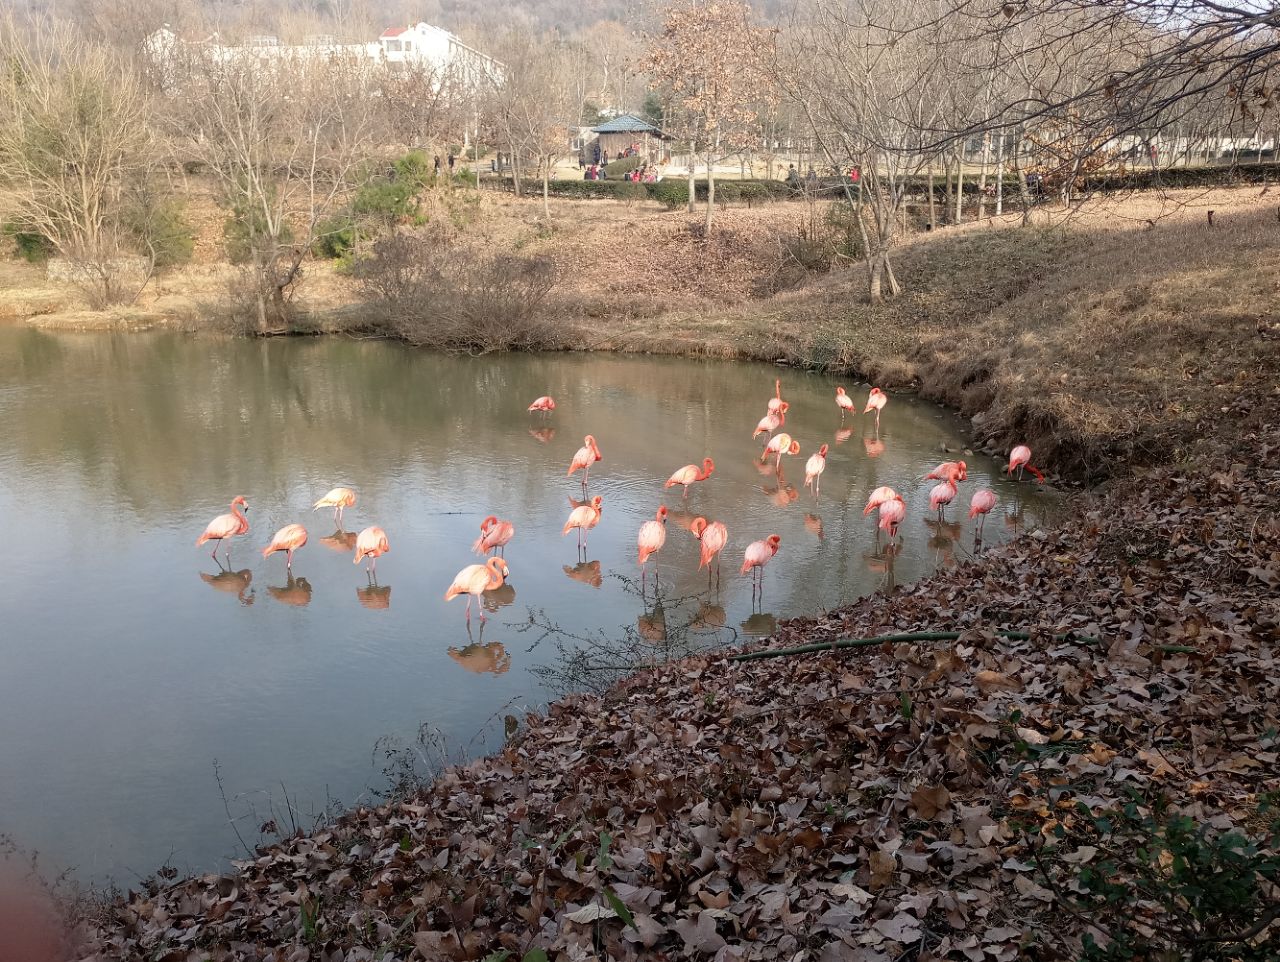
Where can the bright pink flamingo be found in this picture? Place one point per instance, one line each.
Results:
(953, 471)
(337, 499)
(892, 511)
(475, 580)
(545, 404)
(288, 539)
(226, 526)
(843, 402)
(780, 444)
(584, 518)
(689, 474)
(493, 534)
(652, 536)
(757, 555)
(776, 402)
(371, 543)
(814, 467)
(712, 539)
(772, 421)
(983, 500)
(1019, 458)
(876, 401)
(586, 456)
(878, 497)
(941, 496)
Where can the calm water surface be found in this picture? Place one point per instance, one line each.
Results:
(131, 664)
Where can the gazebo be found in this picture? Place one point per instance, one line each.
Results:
(624, 132)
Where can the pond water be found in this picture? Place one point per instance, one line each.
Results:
(147, 694)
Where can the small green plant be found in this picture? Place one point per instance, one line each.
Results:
(155, 223)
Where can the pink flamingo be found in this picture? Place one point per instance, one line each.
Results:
(941, 496)
(776, 402)
(983, 500)
(371, 543)
(772, 421)
(586, 456)
(953, 471)
(652, 536)
(226, 526)
(814, 467)
(1019, 458)
(288, 539)
(494, 534)
(712, 539)
(878, 497)
(475, 580)
(757, 555)
(892, 511)
(584, 518)
(337, 499)
(545, 404)
(780, 444)
(843, 402)
(876, 401)
(689, 474)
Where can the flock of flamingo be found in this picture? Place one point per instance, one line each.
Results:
(474, 580)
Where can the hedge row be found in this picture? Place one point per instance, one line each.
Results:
(673, 192)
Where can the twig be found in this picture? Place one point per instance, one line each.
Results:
(927, 636)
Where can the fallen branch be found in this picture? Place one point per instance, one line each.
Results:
(927, 636)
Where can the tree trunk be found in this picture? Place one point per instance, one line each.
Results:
(946, 194)
(982, 176)
(959, 182)
(894, 288)
(711, 193)
(693, 153)
(546, 188)
(1000, 175)
(876, 265)
(933, 217)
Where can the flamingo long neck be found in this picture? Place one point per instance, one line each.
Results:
(495, 577)
(241, 520)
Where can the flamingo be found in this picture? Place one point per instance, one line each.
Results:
(475, 580)
(652, 536)
(689, 474)
(983, 500)
(226, 526)
(772, 421)
(712, 539)
(337, 499)
(814, 467)
(953, 471)
(941, 496)
(757, 555)
(371, 543)
(586, 456)
(494, 534)
(878, 497)
(1019, 458)
(892, 511)
(876, 400)
(584, 518)
(776, 402)
(288, 539)
(843, 402)
(545, 404)
(780, 444)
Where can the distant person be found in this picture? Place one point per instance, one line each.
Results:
(595, 153)
(604, 157)
(855, 175)
(793, 177)
(811, 178)
(452, 160)
(604, 174)
(437, 167)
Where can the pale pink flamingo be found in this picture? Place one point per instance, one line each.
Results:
(337, 499)
(813, 469)
(1019, 458)
(941, 496)
(776, 402)
(892, 511)
(584, 518)
(780, 444)
(689, 474)
(475, 580)
(878, 497)
(843, 402)
(876, 401)
(757, 555)
(545, 404)
(226, 526)
(288, 539)
(371, 543)
(652, 536)
(494, 534)
(772, 421)
(586, 456)
(983, 500)
(712, 539)
(953, 471)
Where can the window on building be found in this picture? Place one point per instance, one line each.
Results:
(408, 46)
(393, 46)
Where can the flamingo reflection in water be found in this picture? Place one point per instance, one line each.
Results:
(233, 582)
(709, 617)
(499, 597)
(296, 592)
(843, 435)
(760, 624)
(813, 524)
(874, 447)
(942, 540)
(880, 561)
(652, 625)
(587, 572)
(542, 434)
(483, 659)
(374, 597)
(341, 541)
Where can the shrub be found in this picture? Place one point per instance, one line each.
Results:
(30, 245)
(336, 237)
(670, 192)
(624, 165)
(245, 224)
(155, 224)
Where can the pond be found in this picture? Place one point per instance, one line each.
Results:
(156, 706)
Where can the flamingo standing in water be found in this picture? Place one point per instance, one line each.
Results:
(779, 444)
(941, 496)
(953, 471)
(584, 518)
(652, 536)
(1019, 458)
(545, 404)
(337, 499)
(813, 469)
(494, 534)
(772, 421)
(776, 402)
(288, 539)
(689, 474)
(712, 539)
(876, 401)
(878, 497)
(757, 555)
(843, 402)
(892, 511)
(586, 456)
(475, 580)
(371, 543)
(983, 500)
(226, 526)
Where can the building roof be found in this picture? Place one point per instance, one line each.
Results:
(394, 32)
(627, 124)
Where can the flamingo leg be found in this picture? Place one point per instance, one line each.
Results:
(468, 611)
(288, 564)
(215, 551)
(479, 608)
